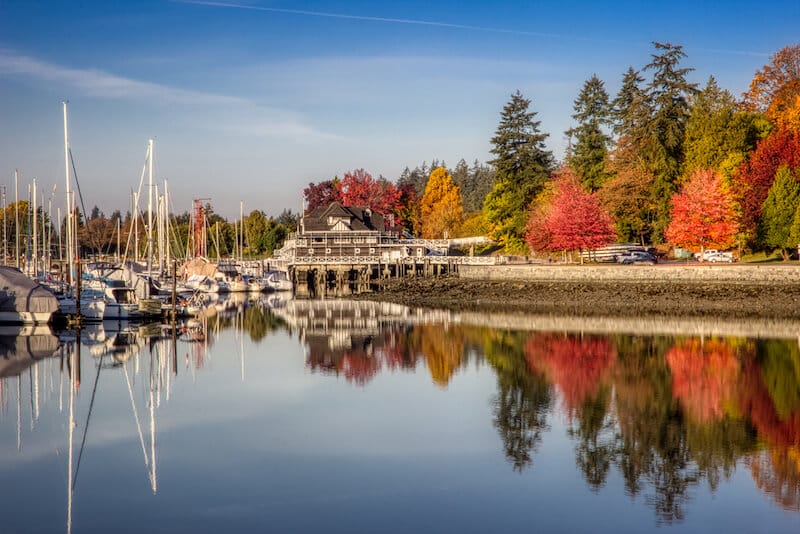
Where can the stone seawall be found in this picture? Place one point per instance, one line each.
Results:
(778, 274)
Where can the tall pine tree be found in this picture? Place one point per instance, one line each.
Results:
(668, 95)
(522, 166)
(593, 113)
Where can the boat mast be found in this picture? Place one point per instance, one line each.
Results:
(149, 209)
(16, 215)
(35, 232)
(69, 243)
(166, 225)
(5, 229)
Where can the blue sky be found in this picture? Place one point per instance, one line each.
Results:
(251, 100)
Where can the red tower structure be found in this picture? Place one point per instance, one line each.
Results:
(199, 228)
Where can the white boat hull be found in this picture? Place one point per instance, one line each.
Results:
(21, 317)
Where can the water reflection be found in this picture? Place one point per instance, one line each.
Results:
(660, 416)
(667, 413)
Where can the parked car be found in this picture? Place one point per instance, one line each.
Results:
(705, 254)
(720, 257)
(637, 258)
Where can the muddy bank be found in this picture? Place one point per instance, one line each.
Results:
(597, 298)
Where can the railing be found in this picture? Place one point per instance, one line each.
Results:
(374, 260)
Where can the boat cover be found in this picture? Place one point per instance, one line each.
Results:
(18, 293)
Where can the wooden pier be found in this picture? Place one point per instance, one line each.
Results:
(343, 275)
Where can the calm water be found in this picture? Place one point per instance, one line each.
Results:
(357, 417)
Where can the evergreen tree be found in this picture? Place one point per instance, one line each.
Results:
(588, 155)
(777, 213)
(523, 166)
(627, 104)
(718, 135)
(475, 183)
(626, 194)
(668, 95)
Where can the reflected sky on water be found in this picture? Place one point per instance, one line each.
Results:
(338, 416)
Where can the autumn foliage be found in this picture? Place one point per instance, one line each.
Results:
(703, 213)
(755, 176)
(775, 89)
(574, 220)
(441, 211)
(704, 377)
(577, 365)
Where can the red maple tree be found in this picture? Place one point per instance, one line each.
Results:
(359, 188)
(755, 176)
(321, 194)
(703, 213)
(575, 219)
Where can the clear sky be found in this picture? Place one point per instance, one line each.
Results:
(251, 100)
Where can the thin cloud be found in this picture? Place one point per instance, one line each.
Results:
(437, 24)
(101, 84)
(417, 22)
(232, 113)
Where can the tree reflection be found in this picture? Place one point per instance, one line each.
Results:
(652, 444)
(666, 413)
(704, 377)
(595, 430)
(522, 402)
(771, 400)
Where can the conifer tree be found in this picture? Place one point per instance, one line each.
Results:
(777, 213)
(668, 96)
(626, 194)
(719, 135)
(589, 153)
(522, 167)
(628, 106)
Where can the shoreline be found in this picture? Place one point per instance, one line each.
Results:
(653, 297)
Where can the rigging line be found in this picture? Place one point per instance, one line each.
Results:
(88, 416)
(135, 414)
(135, 208)
(92, 237)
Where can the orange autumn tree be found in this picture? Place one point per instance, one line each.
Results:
(704, 377)
(775, 89)
(703, 213)
(441, 210)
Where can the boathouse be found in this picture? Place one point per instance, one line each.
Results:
(360, 233)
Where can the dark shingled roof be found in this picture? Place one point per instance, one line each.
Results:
(359, 219)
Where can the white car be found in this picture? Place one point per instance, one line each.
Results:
(720, 257)
(706, 254)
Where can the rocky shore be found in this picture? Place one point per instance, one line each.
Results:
(656, 296)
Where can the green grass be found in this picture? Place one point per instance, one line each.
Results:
(762, 257)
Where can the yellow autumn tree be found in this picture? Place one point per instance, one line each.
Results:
(441, 210)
